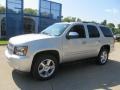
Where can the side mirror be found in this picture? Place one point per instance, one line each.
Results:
(72, 35)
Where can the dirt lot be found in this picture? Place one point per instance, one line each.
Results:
(77, 76)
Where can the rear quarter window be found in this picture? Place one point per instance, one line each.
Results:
(106, 32)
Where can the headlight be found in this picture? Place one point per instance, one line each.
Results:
(21, 50)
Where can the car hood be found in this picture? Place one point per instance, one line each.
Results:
(27, 38)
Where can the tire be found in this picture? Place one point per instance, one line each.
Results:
(45, 67)
(103, 56)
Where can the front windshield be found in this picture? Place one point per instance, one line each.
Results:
(55, 29)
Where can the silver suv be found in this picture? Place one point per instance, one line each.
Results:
(42, 53)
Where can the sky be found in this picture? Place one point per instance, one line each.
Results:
(86, 10)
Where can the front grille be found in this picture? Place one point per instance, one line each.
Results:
(10, 48)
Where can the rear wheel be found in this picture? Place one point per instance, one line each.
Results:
(103, 56)
(45, 67)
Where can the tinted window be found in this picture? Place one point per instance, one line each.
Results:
(93, 31)
(106, 32)
(80, 30)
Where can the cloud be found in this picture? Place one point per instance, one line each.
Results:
(112, 11)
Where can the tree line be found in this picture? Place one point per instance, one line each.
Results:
(116, 30)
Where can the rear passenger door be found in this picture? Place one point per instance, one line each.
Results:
(93, 40)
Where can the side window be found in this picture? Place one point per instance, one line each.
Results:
(80, 30)
(106, 32)
(93, 31)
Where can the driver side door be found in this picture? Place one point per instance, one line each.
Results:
(75, 46)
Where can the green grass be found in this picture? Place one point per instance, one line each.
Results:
(3, 42)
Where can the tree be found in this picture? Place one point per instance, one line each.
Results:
(104, 22)
(118, 26)
(2, 9)
(94, 22)
(79, 20)
(71, 19)
(117, 31)
(112, 26)
(30, 11)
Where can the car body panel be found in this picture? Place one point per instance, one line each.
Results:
(69, 50)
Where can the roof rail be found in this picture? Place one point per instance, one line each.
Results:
(91, 22)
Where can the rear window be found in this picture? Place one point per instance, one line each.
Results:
(93, 31)
(106, 32)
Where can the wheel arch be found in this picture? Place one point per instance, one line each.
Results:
(55, 53)
(106, 47)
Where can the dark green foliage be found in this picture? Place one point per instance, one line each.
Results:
(71, 19)
(2, 9)
(30, 11)
(104, 22)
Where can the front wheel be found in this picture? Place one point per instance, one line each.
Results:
(103, 56)
(45, 67)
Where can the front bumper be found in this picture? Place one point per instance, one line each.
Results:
(21, 63)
